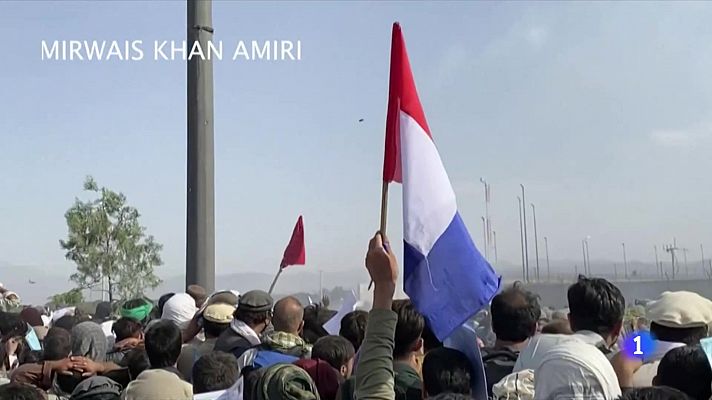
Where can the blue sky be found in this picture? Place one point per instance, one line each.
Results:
(601, 109)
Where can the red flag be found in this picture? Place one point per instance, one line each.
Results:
(402, 97)
(295, 253)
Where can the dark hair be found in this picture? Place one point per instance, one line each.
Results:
(67, 383)
(353, 327)
(252, 318)
(162, 301)
(430, 341)
(595, 305)
(315, 316)
(515, 313)
(214, 371)
(163, 344)
(30, 356)
(446, 371)
(126, 327)
(687, 369)
(688, 336)
(57, 344)
(137, 361)
(409, 327)
(19, 391)
(335, 350)
(654, 393)
(67, 322)
(214, 329)
(11, 325)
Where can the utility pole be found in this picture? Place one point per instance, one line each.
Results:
(536, 242)
(684, 258)
(200, 213)
(487, 223)
(521, 240)
(588, 257)
(658, 269)
(625, 262)
(548, 268)
(583, 250)
(672, 249)
(484, 234)
(524, 218)
(702, 252)
(494, 242)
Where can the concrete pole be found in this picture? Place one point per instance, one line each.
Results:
(536, 242)
(548, 267)
(625, 262)
(521, 239)
(200, 213)
(524, 219)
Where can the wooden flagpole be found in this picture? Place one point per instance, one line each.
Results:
(274, 282)
(384, 216)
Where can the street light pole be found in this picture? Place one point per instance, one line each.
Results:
(658, 270)
(548, 268)
(588, 257)
(583, 250)
(484, 234)
(521, 239)
(200, 196)
(524, 218)
(536, 242)
(625, 262)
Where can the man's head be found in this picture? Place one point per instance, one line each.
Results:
(687, 369)
(198, 294)
(137, 361)
(255, 309)
(409, 330)
(57, 344)
(163, 344)
(67, 322)
(515, 313)
(596, 305)
(680, 317)
(126, 328)
(337, 351)
(558, 326)
(353, 327)
(654, 393)
(288, 316)
(214, 371)
(217, 318)
(11, 325)
(446, 371)
(18, 391)
(138, 309)
(103, 311)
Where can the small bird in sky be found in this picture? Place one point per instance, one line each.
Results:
(32, 282)
(360, 120)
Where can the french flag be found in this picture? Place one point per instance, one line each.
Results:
(445, 275)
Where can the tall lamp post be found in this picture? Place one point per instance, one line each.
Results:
(524, 219)
(548, 268)
(521, 240)
(536, 242)
(200, 196)
(625, 262)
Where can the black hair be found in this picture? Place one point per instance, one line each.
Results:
(654, 393)
(687, 369)
(252, 318)
(335, 350)
(430, 341)
(19, 391)
(315, 316)
(446, 371)
(30, 356)
(11, 325)
(688, 336)
(126, 327)
(353, 327)
(57, 344)
(214, 329)
(409, 327)
(67, 322)
(595, 305)
(163, 344)
(515, 314)
(162, 301)
(214, 371)
(136, 361)
(67, 383)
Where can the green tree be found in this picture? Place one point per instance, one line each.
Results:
(68, 299)
(107, 243)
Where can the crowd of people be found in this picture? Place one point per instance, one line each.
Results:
(246, 346)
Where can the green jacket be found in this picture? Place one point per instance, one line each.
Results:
(408, 385)
(374, 374)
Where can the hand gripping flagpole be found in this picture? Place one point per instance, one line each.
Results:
(384, 216)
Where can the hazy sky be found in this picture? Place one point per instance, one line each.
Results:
(602, 109)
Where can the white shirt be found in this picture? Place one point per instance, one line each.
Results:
(540, 345)
(574, 370)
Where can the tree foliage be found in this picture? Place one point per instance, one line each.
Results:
(106, 242)
(71, 298)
